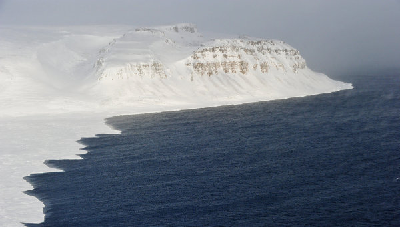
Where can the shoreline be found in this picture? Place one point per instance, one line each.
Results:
(28, 141)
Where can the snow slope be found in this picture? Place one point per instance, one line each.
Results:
(60, 70)
(177, 62)
(58, 84)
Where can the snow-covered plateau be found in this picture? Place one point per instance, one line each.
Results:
(57, 84)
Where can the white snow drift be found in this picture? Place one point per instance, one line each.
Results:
(58, 84)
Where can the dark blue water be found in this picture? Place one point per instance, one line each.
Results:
(326, 160)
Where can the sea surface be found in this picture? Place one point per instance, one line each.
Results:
(324, 160)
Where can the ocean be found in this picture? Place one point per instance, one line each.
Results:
(325, 160)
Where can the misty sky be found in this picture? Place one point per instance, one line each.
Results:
(334, 36)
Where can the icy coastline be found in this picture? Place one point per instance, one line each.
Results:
(59, 84)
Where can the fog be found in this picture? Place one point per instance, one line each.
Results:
(336, 37)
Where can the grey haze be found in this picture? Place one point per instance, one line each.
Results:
(334, 36)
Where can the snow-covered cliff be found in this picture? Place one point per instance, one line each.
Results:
(81, 69)
(177, 61)
(245, 56)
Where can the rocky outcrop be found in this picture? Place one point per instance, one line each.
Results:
(150, 30)
(135, 55)
(135, 71)
(190, 28)
(244, 56)
(158, 52)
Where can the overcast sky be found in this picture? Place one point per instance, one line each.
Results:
(334, 36)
